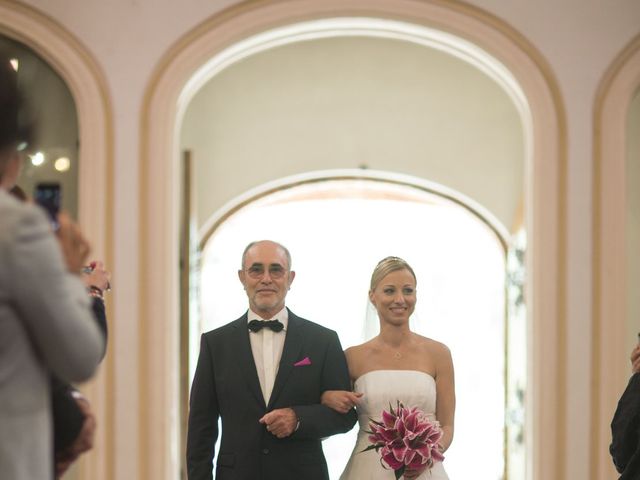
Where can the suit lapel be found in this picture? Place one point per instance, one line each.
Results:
(246, 362)
(290, 354)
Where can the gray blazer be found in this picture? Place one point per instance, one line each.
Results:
(45, 326)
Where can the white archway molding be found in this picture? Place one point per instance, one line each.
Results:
(478, 211)
(545, 205)
(359, 27)
(87, 84)
(610, 365)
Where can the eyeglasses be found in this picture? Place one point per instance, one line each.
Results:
(257, 271)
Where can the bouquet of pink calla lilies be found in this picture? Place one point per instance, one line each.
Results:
(405, 438)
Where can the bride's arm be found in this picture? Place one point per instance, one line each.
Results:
(341, 400)
(445, 396)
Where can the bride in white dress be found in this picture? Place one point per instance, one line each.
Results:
(397, 365)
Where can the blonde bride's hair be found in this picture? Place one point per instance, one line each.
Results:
(386, 266)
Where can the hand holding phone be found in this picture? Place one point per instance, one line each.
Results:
(49, 196)
(96, 276)
(74, 246)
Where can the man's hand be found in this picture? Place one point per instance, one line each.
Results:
(74, 246)
(97, 277)
(635, 359)
(281, 422)
(82, 443)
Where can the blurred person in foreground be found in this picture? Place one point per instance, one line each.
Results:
(74, 423)
(625, 426)
(46, 324)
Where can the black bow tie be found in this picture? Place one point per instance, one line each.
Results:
(257, 325)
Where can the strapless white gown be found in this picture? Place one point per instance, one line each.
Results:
(381, 388)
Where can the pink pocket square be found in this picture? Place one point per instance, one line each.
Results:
(303, 362)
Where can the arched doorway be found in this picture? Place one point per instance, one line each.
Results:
(167, 98)
(333, 223)
(54, 155)
(80, 72)
(615, 261)
(82, 75)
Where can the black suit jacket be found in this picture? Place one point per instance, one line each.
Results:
(625, 432)
(226, 385)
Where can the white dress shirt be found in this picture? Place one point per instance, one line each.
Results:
(266, 346)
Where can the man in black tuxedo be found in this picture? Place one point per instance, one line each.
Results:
(263, 375)
(625, 426)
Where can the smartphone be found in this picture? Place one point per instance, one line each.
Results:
(49, 196)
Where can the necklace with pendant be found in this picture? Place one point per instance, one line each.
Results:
(397, 355)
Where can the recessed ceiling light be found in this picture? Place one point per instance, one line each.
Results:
(37, 159)
(62, 164)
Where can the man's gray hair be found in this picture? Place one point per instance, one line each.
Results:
(284, 249)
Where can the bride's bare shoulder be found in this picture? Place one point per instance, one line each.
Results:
(433, 346)
(357, 350)
(358, 353)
